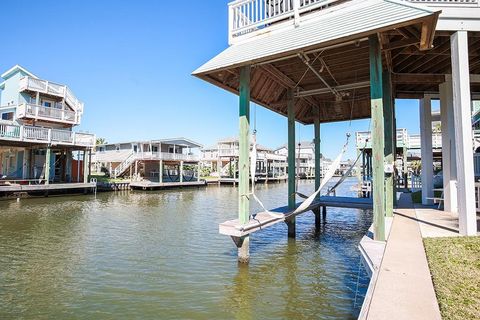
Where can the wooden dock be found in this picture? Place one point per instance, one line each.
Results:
(263, 220)
(46, 187)
(149, 185)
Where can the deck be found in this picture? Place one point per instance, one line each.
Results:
(45, 187)
(264, 220)
(149, 185)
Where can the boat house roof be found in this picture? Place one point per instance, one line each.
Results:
(334, 43)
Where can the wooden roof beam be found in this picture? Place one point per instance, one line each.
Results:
(417, 78)
(283, 79)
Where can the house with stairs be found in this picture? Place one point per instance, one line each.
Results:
(37, 142)
(159, 161)
(222, 160)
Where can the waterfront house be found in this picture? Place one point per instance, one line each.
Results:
(222, 160)
(157, 161)
(37, 142)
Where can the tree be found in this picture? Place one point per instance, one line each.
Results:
(100, 141)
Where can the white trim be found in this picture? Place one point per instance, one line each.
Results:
(15, 68)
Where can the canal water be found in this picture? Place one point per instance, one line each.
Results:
(158, 255)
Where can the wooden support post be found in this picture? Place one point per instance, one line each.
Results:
(317, 166)
(291, 161)
(426, 151)
(160, 172)
(317, 152)
(181, 171)
(405, 167)
(324, 214)
(48, 155)
(85, 166)
(376, 98)
(389, 136)
(243, 168)
(364, 166)
(467, 218)
(395, 177)
(449, 168)
(198, 171)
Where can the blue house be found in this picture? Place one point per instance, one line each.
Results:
(37, 141)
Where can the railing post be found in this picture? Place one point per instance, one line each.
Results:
(296, 13)
(49, 135)
(230, 24)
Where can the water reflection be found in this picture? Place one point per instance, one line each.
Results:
(156, 255)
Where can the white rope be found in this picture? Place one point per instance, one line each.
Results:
(253, 169)
(331, 171)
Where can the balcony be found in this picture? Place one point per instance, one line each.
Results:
(23, 133)
(247, 18)
(51, 88)
(37, 112)
(166, 156)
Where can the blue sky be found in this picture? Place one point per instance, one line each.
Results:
(130, 62)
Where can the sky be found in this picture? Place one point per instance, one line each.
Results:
(130, 62)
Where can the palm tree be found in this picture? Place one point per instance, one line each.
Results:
(100, 141)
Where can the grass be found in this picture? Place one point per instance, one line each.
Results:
(455, 267)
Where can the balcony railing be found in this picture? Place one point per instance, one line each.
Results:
(246, 17)
(166, 156)
(29, 110)
(23, 133)
(47, 87)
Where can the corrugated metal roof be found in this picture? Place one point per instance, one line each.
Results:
(358, 17)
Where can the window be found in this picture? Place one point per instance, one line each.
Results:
(47, 104)
(7, 116)
(135, 148)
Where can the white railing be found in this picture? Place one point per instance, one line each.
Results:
(29, 110)
(84, 139)
(45, 135)
(247, 16)
(414, 141)
(133, 156)
(59, 90)
(226, 152)
(125, 164)
(460, 3)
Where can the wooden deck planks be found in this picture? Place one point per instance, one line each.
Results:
(45, 187)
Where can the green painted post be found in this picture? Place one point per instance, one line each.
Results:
(317, 152)
(48, 155)
(318, 170)
(376, 100)
(291, 161)
(388, 134)
(243, 159)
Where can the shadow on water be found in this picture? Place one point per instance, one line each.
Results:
(156, 255)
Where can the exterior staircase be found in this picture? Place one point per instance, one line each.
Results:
(125, 164)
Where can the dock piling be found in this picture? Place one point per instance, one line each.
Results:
(243, 159)
(291, 162)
